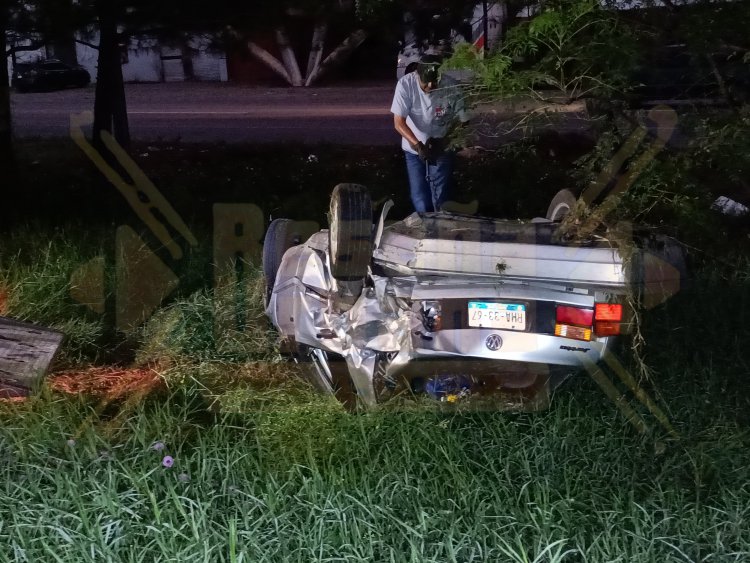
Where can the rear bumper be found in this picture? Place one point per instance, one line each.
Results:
(514, 346)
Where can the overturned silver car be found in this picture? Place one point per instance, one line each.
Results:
(452, 306)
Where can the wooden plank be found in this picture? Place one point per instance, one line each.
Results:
(26, 352)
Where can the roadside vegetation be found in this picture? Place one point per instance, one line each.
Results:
(304, 481)
(173, 442)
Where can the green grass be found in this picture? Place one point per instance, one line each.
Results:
(267, 470)
(36, 265)
(308, 482)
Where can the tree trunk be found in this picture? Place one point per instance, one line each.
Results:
(7, 162)
(188, 70)
(61, 39)
(65, 50)
(289, 69)
(288, 57)
(110, 111)
(269, 60)
(316, 50)
(338, 55)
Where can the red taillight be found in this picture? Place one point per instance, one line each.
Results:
(607, 319)
(608, 312)
(607, 328)
(574, 316)
(575, 322)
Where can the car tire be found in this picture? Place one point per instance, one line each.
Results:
(330, 374)
(279, 238)
(350, 232)
(563, 202)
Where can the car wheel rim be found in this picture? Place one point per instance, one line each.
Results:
(560, 211)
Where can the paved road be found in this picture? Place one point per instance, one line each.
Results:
(225, 112)
(210, 112)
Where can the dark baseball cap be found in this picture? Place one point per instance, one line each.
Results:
(428, 68)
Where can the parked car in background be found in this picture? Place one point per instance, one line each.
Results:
(48, 75)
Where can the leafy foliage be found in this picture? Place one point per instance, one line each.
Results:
(571, 49)
(677, 189)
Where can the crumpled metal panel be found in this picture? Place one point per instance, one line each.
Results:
(375, 323)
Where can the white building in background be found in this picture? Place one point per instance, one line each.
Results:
(146, 60)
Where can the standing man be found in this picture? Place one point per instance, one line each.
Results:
(426, 107)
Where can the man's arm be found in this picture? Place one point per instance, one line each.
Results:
(404, 130)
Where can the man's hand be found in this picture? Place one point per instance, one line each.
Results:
(422, 151)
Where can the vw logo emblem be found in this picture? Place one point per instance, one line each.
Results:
(493, 342)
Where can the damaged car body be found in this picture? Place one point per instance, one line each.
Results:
(451, 306)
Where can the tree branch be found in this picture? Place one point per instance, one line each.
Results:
(23, 48)
(87, 44)
(734, 47)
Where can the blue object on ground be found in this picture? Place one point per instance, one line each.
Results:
(440, 386)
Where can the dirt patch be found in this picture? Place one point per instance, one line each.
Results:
(13, 399)
(4, 297)
(108, 382)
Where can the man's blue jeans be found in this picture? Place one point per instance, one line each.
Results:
(429, 183)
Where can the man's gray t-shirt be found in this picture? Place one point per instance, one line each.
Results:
(427, 115)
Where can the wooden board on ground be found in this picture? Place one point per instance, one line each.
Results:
(26, 352)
